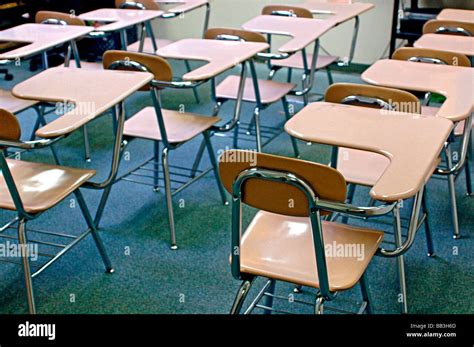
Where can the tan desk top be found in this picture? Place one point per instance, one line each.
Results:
(411, 142)
(303, 31)
(91, 91)
(456, 15)
(454, 82)
(220, 55)
(339, 12)
(183, 5)
(40, 36)
(118, 19)
(450, 43)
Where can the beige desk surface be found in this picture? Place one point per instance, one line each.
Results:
(457, 15)
(412, 143)
(183, 5)
(450, 43)
(91, 91)
(220, 55)
(454, 82)
(40, 36)
(119, 19)
(303, 31)
(338, 12)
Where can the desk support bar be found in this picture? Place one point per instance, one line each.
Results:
(464, 149)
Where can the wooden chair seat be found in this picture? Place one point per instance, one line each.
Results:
(12, 104)
(281, 247)
(180, 127)
(41, 186)
(270, 91)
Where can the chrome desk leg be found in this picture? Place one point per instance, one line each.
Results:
(26, 266)
(169, 200)
(241, 295)
(400, 260)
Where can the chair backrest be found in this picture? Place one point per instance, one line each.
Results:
(140, 4)
(424, 55)
(373, 97)
(245, 35)
(156, 65)
(449, 27)
(287, 10)
(52, 17)
(10, 129)
(279, 197)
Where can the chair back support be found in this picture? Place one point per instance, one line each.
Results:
(448, 27)
(287, 10)
(278, 197)
(9, 131)
(373, 97)
(52, 17)
(137, 5)
(9, 127)
(245, 35)
(133, 61)
(158, 66)
(424, 55)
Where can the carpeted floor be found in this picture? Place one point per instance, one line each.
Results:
(150, 278)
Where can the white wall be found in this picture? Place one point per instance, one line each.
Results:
(374, 33)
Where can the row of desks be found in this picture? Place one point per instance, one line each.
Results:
(389, 135)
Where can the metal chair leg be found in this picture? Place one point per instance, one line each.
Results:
(452, 194)
(469, 167)
(289, 77)
(94, 232)
(198, 159)
(268, 300)
(195, 92)
(319, 305)
(400, 260)
(41, 121)
(169, 201)
(215, 167)
(258, 136)
(236, 135)
(241, 295)
(350, 197)
(364, 288)
(156, 166)
(87, 147)
(26, 266)
(429, 237)
(202, 147)
(330, 78)
(294, 143)
(251, 126)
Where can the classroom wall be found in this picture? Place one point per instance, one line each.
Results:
(374, 33)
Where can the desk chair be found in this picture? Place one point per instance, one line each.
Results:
(168, 128)
(262, 93)
(446, 58)
(289, 241)
(300, 60)
(361, 168)
(151, 44)
(59, 18)
(31, 189)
